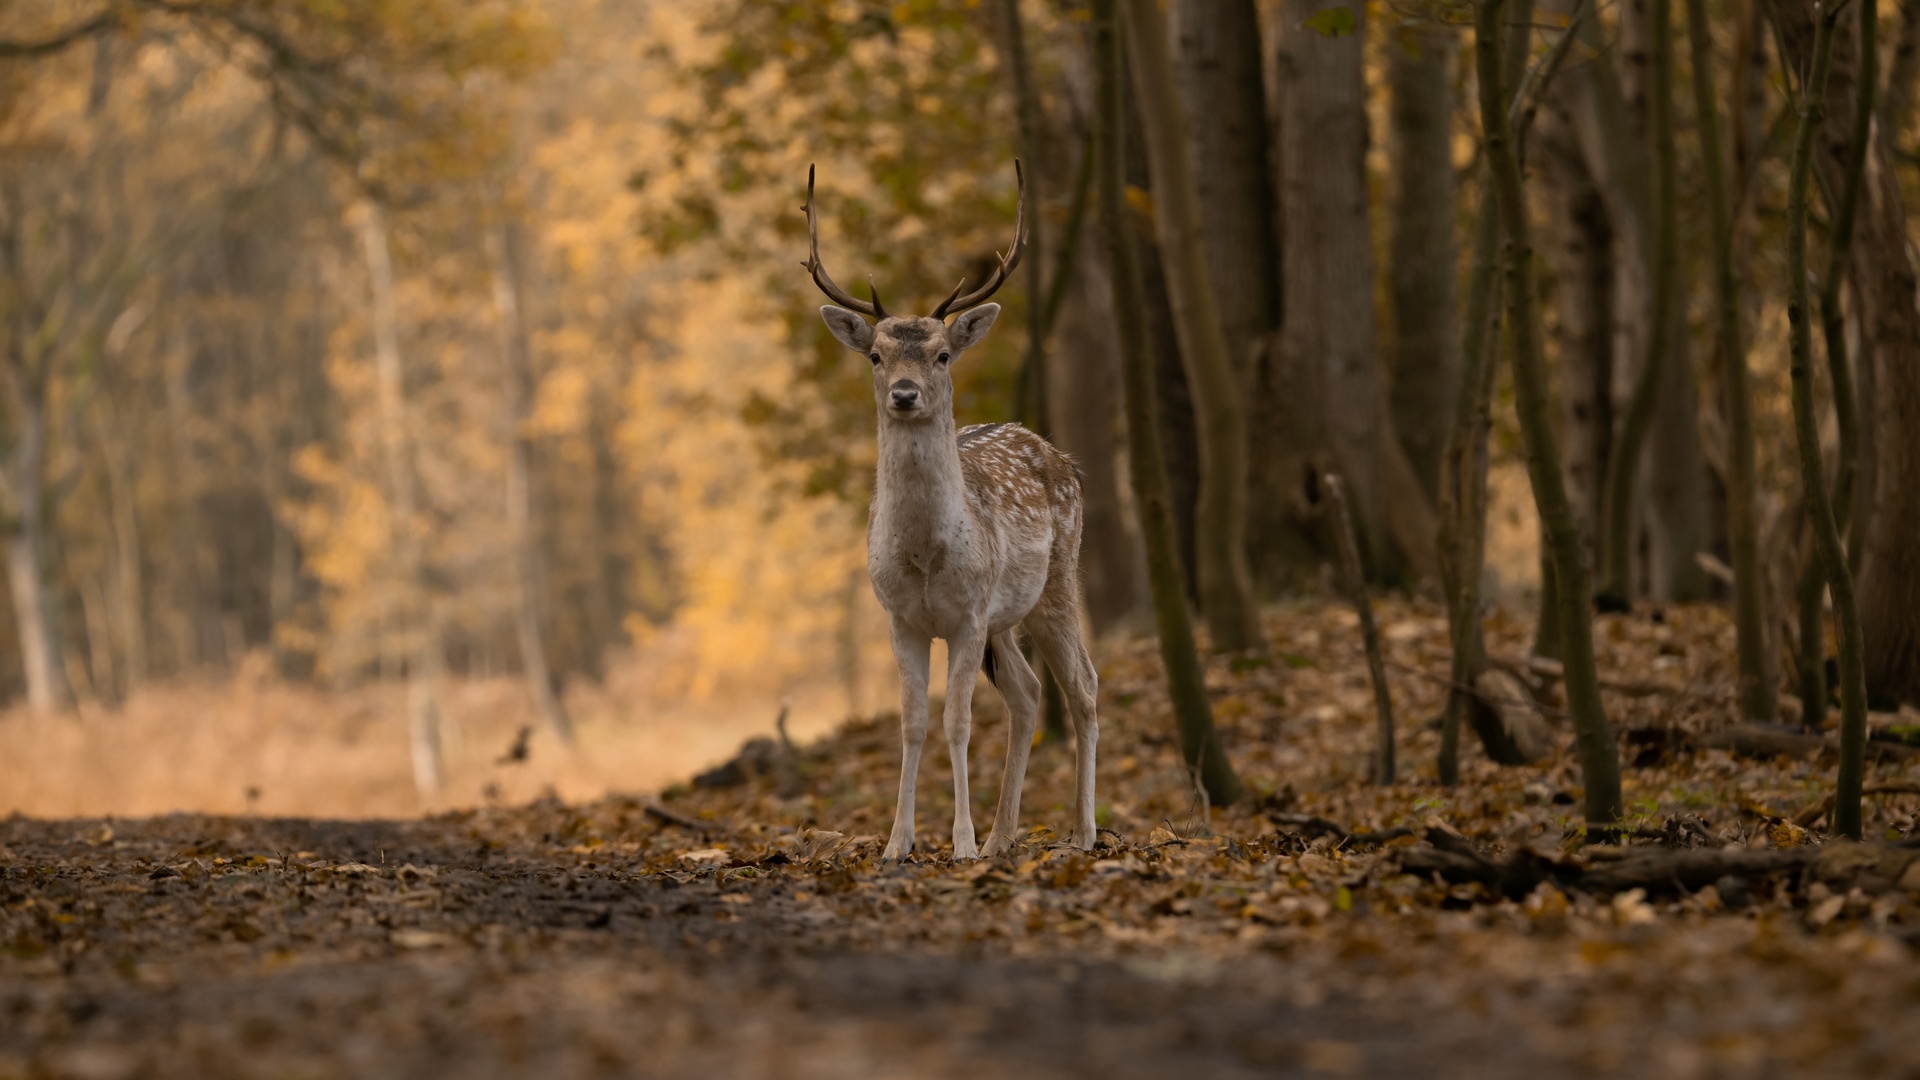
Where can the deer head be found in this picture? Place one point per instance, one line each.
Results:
(912, 357)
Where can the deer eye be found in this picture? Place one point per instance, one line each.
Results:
(875, 357)
(942, 358)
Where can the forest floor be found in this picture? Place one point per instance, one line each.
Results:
(1321, 926)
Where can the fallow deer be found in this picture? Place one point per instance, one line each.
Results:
(972, 534)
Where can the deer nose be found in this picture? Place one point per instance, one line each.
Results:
(905, 395)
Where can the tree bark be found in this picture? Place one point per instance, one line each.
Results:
(1853, 693)
(1903, 70)
(1087, 424)
(417, 622)
(1758, 697)
(1226, 595)
(1884, 280)
(505, 244)
(1199, 743)
(35, 615)
(1599, 756)
(1616, 589)
(1218, 70)
(1328, 345)
(1034, 410)
(1425, 255)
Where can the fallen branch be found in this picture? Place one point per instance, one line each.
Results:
(1842, 866)
(1775, 740)
(660, 813)
(1496, 702)
(1552, 671)
(1314, 825)
(1820, 808)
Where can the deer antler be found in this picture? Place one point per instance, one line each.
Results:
(819, 271)
(952, 306)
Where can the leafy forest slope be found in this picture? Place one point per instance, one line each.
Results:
(744, 927)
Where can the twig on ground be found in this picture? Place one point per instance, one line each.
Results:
(1528, 703)
(660, 813)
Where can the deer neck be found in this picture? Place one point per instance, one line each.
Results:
(920, 486)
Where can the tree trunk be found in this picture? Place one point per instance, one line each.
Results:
(1425, 256)
(416, 618)
(507, 257)
(1218, 71)
(1883, 276)
(1220, 55)
(1580, 249)
(1896, 115)
(1758, 698)
(1086, 424)
(1833, 557)
(1599, 756)
(1179, 428)
(1034, 410)
(1623, 468)
(33, 603)
(1199, 744)
(1328, 346)
(1226, 595)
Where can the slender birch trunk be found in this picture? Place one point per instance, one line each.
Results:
(416, 620)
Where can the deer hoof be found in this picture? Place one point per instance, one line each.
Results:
(896, 851)
(996, 846)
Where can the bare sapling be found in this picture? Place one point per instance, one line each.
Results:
(1354, 581)
(973, 533)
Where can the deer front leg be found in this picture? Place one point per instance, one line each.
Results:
(965, 652)
(910, 653)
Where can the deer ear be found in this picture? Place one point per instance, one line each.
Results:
(853, 331)
(971, 326)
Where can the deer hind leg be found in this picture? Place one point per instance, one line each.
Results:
(1020, 688)
(1057, 633)
(964, 655)
(910, 652)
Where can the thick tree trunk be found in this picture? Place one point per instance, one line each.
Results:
(1219, 59)
(505, 253)
(1580, 249)
(1425, 254)
(1651, 380)
(1599, 756)
(417, 621)
(1218, 70)
(1328, 346)
(1226, 593)
(1199, 744)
